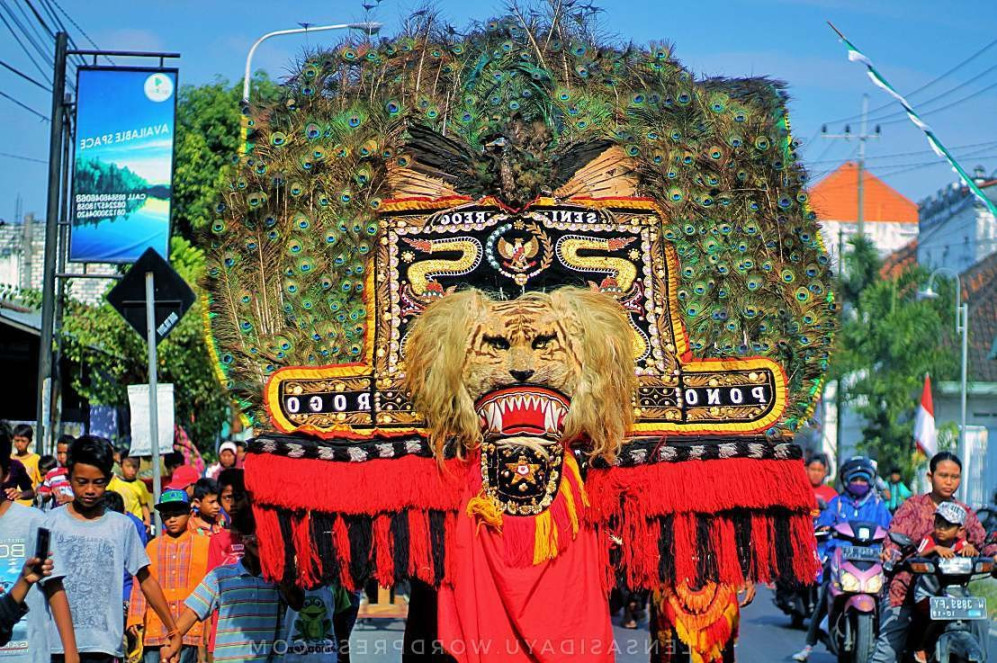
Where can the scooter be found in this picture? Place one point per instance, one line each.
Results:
(798, 600)
(857, 577)
(946, 583)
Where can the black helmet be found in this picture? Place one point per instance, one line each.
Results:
(857, 467)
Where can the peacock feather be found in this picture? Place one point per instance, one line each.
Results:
(518, 108)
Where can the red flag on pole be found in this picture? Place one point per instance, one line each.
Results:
(925, 436)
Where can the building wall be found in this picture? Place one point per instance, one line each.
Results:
(886, 236)
(981, 410)
(957, 230)
(24, 269)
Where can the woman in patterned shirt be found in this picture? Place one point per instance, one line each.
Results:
(915, 518)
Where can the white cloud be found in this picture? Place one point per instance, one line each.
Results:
(130, 39)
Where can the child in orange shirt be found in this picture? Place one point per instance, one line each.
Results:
(179, 561)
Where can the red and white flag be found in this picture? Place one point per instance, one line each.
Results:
(925, 436)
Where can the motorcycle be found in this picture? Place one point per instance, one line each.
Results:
(946, 581)
(856, 574)
(798, 600)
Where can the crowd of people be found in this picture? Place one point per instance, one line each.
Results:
(939, 524)
(114, 588)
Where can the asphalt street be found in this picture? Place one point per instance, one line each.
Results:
(766, 637)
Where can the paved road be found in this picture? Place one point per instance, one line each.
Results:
(765, 638)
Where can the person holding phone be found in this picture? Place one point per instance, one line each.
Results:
(25, 613)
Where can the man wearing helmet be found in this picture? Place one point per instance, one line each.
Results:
(859, 501)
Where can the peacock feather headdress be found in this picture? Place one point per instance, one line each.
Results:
(516, 112)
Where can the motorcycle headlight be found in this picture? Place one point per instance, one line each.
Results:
(874, 584)
(849, 583)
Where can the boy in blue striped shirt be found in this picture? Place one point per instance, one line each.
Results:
(249, 608)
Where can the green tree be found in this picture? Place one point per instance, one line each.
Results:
(114, 356)
(889, 339)
(207, 136)
(96, 337)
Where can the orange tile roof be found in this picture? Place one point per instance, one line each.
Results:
(835, 198)
(979, 285)
(898, 261)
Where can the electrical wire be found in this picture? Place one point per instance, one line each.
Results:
(905, 168)
(922, 104)
(77, 26)
(931, 164)
(24, 76)
(946, 106)
(909, 154)
(80, 60)
(24, 48)
(39, 17)
(24, 106)
(22, 158)
(925, 86)
(29, 31)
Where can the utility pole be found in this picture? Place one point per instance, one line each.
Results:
(862, 137)
(45, 397)
(27, 257)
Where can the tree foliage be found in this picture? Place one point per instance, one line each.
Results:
(889, 339)
(207, 136)
(96, 337)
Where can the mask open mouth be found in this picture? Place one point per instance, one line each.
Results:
(523, 410)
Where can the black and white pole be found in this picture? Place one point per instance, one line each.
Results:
(150, 321)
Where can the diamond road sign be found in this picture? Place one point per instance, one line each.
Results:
(172, 295)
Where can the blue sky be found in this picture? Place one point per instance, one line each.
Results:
(911, 41)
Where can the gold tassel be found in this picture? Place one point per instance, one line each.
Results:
(486, 511)
(545, 540)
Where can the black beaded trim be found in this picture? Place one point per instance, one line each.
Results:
(640, 451)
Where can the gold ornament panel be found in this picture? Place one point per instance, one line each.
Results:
(430, 247)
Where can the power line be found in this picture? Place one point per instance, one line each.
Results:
(22, 158)
(40, 19)
(77, 26)
(922, 104)
(930, 164)
(947, 106)
(926, 85)
(24, 31)
(909, 154)
(25, 107)
(47, 6)
(37, 38)
(899, 169)
(24, 76)
(24, 48)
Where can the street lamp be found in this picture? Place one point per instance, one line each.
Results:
(961, 326)
(368, 27)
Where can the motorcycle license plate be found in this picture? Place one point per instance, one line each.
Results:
(860, 554)
(948, 608)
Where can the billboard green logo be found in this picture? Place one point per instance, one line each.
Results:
(158, 87)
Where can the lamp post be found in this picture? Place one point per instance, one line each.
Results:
(961, 326)
(368, 27)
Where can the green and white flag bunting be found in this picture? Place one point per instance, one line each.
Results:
(855, 55)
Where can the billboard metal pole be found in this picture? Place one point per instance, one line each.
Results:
(150, 339)
(44, 396)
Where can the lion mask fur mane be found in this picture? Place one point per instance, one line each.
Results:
(573, 340)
